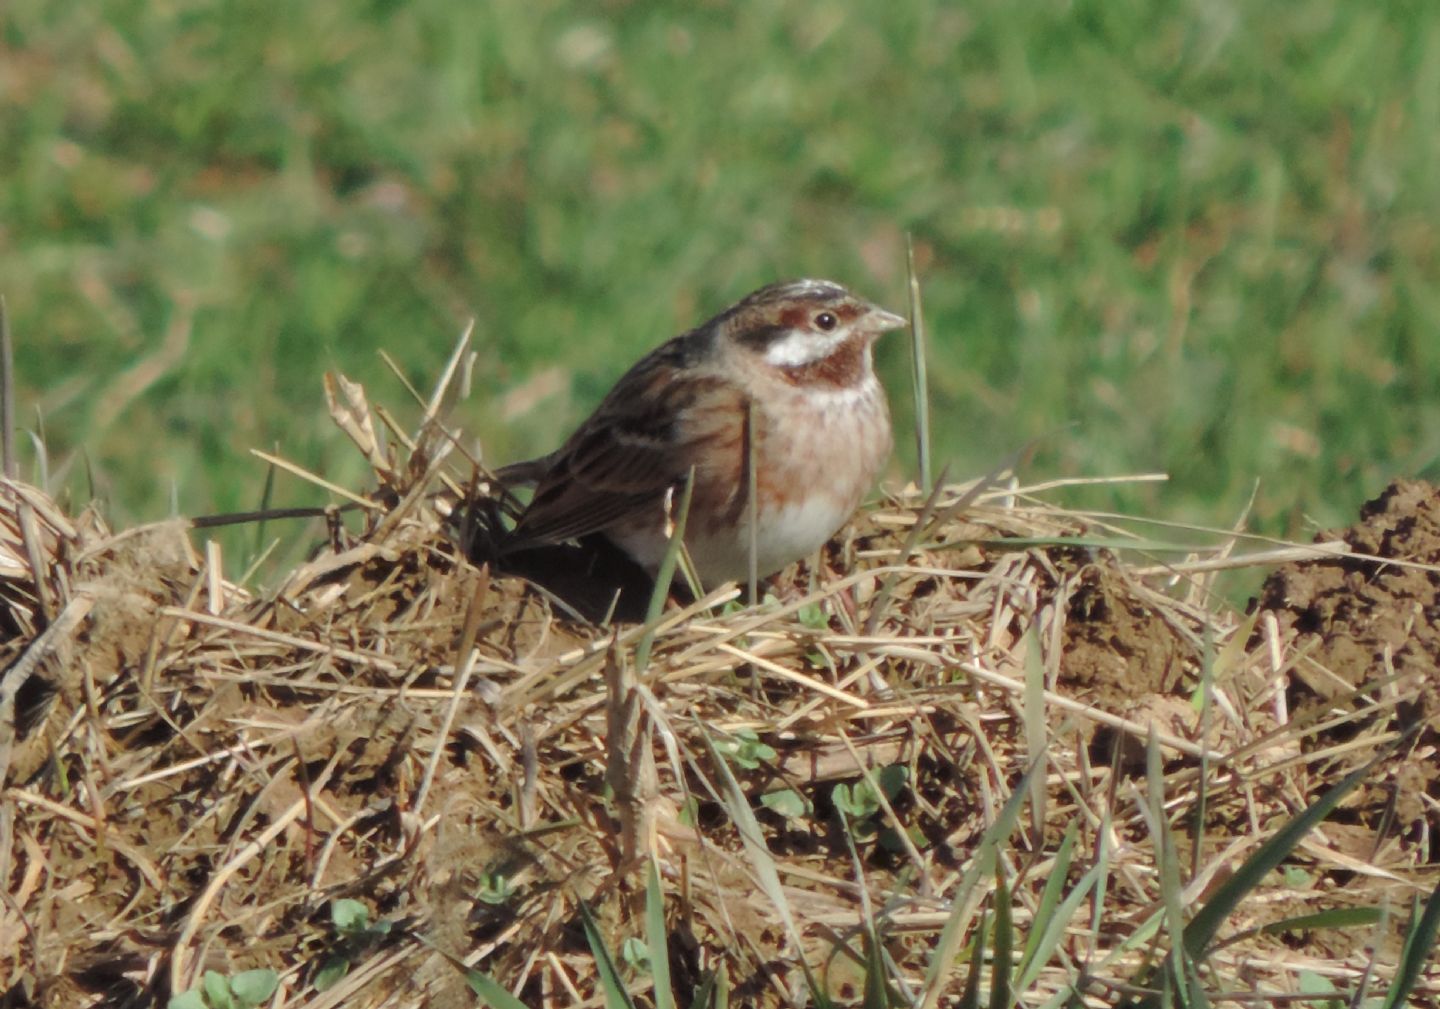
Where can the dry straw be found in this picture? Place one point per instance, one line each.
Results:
(201, 772)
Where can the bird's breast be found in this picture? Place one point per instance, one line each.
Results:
(823, 444)
(816, 455)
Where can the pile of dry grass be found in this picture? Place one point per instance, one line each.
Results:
(201, 773)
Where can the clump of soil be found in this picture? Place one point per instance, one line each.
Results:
(1117, 648)
(1125, 652)
(1361, 633)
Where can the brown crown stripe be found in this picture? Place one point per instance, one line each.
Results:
(816, 293)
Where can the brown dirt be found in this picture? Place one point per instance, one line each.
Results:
(205, 772)
(1362, 635)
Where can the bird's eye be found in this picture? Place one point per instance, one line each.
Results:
(826, 321)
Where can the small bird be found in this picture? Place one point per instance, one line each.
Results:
(785, 377)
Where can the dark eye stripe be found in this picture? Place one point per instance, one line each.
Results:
(761, 336)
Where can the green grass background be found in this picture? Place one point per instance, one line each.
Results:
(1202, 233)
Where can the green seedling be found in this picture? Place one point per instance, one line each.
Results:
(244, 990)
(356, 934)
(860, 804)
(745, 748)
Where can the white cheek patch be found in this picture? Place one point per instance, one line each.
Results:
(798, 347)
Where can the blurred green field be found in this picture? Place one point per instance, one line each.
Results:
(1202, 235)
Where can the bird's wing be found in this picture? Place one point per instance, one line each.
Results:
(640, 443)
(585, 493)
(524, 474)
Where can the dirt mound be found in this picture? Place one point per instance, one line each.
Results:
(1360, 636)
(203, 776)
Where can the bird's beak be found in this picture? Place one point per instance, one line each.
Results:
(878, 321)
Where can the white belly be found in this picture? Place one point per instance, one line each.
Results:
(782, 535)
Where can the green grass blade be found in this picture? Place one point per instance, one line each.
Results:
(1097, 542)
(1053, 929)
(762, 862)
(1171, 890)
(1201, 931)
(1197, 937)
(1418, 949)
(657, 938)
(1036, 732)
(877, 990)
(8, 461)
(493, 992)
(920, 383)
(752, 508)
(1192, 993)
(721, 999)
(661, 591)
(496, 995)
(1202, 789)
(616, 997)
(970, 997)
(1049, 898)
(1001, 995)
(961, 910)
(705, 992)
(1102, 880)
(1335, 917)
